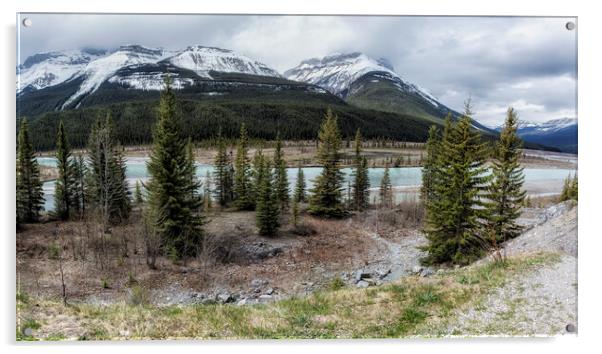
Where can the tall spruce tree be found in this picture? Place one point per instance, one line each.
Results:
(300, 195)
(107, 188)
(243, 192)
(65, 200)
(570, 188)
(454, 227)
(280, 177)
(222, 173)
(257, 171)
(172, 199)
(138, 198)
(506, 197)
(326, 199)
(361, 183)
(429, 167)
(386, 190)
(267, 210)
(30, 197)
(80, 172)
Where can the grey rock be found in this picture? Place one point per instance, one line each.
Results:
(416, 269)
(270, 291)
(362, 284)
(242, 302)
(362, 274)
(224, 298)
(426, 272)
(381, 273)
(265, 298)
(258, 283)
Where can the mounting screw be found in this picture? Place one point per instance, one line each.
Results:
(27, 22)
(570, 25)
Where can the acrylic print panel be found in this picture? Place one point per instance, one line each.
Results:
(260, 177)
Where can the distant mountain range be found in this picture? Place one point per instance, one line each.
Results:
(367, 93)
(559, 133)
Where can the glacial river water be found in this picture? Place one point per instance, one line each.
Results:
(405, 180)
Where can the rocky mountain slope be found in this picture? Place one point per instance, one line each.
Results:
(371, 83)
(560, 133)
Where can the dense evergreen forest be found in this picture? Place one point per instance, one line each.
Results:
(203, 119)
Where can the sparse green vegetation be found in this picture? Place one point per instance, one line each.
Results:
(411, 306)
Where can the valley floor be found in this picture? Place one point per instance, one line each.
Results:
(344, 279)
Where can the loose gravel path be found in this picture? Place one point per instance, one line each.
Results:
(541, 303)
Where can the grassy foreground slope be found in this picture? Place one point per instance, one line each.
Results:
(412, 306)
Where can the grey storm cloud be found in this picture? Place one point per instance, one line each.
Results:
(529, 63)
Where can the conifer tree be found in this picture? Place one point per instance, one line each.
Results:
(64, 188)
(386, 190)
(295, 213)
(106, 186)
(566, 189)
(570, 188)
(173, 202)
(242, 174)
(505, 196)
(80, 172)
(267, 210)
(326, 199)
(575, 188)
(429, 168)
(207, 192)
(361, 183)
(257, 171)
(300, 195)
(280, 177)
(138, 198)
(454, 218)
(30, 197)
(222, 173)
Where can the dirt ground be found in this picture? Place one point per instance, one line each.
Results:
(98, 269)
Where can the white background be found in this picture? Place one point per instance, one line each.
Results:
(590, 134)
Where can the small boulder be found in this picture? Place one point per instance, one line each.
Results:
(265, 298)
(426, 272)
(362, 284)
(258, 283)
(270, 291)
(417, 269)
(381, 273)
(224, 298)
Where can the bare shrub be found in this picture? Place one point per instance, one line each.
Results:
(412, 212)
(303, 229)
(139, 296)
(221, 248)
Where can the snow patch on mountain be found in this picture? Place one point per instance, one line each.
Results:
(98, 71)
(337, 72)
(202, 60)
(151, 81)
(549, 126)
(52, 68)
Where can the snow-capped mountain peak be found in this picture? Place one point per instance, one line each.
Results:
(336, 72)
(547, 126)
(51, 68)
(94, 67)
(98, 71)
(202, 60)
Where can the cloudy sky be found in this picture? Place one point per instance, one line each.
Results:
(527, 63)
